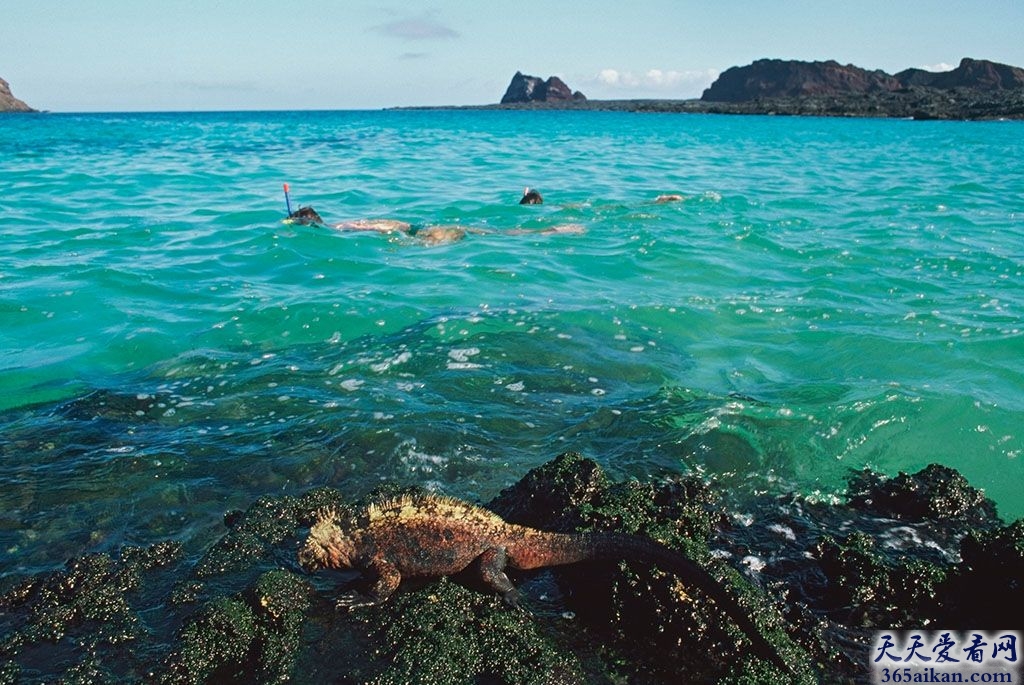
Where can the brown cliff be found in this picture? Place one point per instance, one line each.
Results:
(775, 78)
(9, 103)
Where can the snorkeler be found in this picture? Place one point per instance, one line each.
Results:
(428, 235)
(305, 215)
(302, 215)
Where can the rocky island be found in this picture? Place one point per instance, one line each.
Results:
(9, 103)
(526, 89)
(976, 89)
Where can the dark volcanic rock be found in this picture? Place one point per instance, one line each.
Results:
(9, 103)
(976, 74)
(936, 492)
(977, 89)
(773, 78)
(525, 88)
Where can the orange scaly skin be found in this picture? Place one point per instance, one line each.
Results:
(431, 536)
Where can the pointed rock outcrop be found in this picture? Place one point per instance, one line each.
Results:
(525, 88)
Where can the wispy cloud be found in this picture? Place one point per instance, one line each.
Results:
(413, 55)
(419, 27)
(655, 79)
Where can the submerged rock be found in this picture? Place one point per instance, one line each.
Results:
(79, 624)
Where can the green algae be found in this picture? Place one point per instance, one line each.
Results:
(89, 607)
(448, 634)
(252, 638)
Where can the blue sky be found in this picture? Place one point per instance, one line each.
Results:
(129, 55)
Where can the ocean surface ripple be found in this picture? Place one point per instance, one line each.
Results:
(828, 295)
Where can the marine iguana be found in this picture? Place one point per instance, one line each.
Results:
(432, 536)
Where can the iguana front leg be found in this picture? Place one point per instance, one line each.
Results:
(384, 579)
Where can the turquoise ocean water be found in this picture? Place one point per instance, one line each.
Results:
(830, 294)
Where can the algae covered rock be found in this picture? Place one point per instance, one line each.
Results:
(865, 589)
(448, 634)
(935, 492)
(85, 617)
(908, 551)
(668, 630)
(252, 638)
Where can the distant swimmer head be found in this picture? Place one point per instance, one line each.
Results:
(305, 215)
(531, 197)
(662, 199)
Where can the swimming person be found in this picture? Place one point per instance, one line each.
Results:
(531, 197)
(428, 235)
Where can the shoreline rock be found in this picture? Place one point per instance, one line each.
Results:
(905, 552)
(9, 103)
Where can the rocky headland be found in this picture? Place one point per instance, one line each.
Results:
(976, 89)
(9, 103)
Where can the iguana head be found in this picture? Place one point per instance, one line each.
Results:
(328, 544)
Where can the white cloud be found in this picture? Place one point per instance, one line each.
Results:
(941, 66)
(661, 81)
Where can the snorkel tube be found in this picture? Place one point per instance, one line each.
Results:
(287, 201)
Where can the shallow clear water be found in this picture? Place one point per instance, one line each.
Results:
(829, 294)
